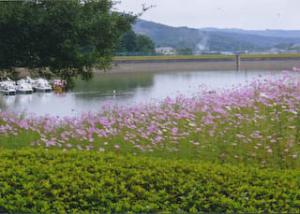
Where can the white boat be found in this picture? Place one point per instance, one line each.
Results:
(24, 87)
(41, 85)
(29, 80)
(8, 87)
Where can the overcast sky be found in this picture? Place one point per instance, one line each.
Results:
(246, 14)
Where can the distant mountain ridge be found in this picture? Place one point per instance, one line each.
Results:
(268, 33)
(214, 39)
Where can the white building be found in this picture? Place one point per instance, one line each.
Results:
(165, 51)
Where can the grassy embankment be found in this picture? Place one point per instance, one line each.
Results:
(209, 57)
(235, 151)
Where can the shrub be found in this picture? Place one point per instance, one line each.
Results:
(39, 181)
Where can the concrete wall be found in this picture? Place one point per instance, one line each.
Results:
(286, 64)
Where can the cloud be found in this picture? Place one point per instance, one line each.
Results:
(246, 14)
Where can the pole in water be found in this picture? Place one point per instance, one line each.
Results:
(238, 61)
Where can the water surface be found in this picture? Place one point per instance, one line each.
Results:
(126, 89)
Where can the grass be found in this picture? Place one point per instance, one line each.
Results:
(20, 141)
(203, 57)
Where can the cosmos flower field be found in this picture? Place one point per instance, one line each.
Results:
(257, 124)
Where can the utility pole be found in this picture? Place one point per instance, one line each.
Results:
(238, 61)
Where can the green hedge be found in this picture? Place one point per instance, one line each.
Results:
(52, 181)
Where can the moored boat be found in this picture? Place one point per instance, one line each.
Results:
(58, 85)
(29, 80)
(41, 85)
(24, 87)
(8, 87)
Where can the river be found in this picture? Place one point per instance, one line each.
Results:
(126, 89)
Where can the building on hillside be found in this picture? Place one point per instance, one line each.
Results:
(165, 51)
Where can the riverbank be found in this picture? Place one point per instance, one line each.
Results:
(228, 151)
(136, 64)
(255, 124)
(204, 63)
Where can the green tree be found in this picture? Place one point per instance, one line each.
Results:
(68, 37)
(134, 44)
(128, 42)
(145, 44)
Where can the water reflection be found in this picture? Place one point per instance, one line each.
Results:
(125, 89)
(2, 103)
(112, 85)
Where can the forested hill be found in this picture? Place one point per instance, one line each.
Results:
(213, 39)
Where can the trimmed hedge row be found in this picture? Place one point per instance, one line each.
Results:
(53, 181)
